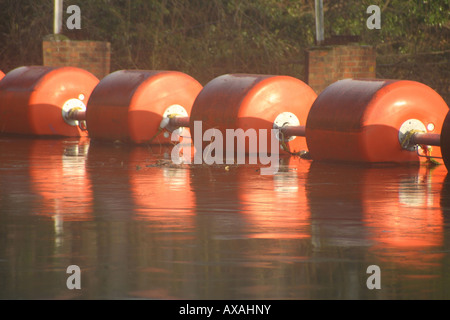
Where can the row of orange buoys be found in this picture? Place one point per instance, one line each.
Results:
(351, 120)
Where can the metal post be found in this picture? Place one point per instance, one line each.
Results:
(319, 22)
(57, 20)
(288, 131)
(178, 122)
(430, 139)
(293, 131)
(76, 114)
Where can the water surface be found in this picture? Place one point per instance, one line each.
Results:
(140, 227)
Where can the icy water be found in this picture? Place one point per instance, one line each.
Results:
(139, 227)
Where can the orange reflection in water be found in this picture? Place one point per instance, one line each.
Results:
(275, 205)
(410, 216)
(390, 209)
(161, 190)
(58, 174)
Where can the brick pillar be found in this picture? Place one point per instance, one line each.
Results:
(93, 56)
(328, 64)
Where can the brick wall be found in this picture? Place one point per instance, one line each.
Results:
(327, 64)
(93, 56)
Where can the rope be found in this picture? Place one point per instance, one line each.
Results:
(406, 142)
(302, 153)
(158, 132)
(162, 126)
(427, 151)
(81, 123)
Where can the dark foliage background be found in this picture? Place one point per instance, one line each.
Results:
(208, 38)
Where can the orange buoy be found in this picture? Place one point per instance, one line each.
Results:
(1, 74)
(129, 105)
(445, 141)
(366, 120)
(246, 101)
(34, 99)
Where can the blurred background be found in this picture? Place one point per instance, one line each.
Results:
(206, 39)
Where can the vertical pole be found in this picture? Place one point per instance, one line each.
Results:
(57, 20)
(319, 22)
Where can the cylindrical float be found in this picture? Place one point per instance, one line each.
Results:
(366, 120)
(34, 100)
(128, 105)
(1, 74)
(445, 141)
(245, 101)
